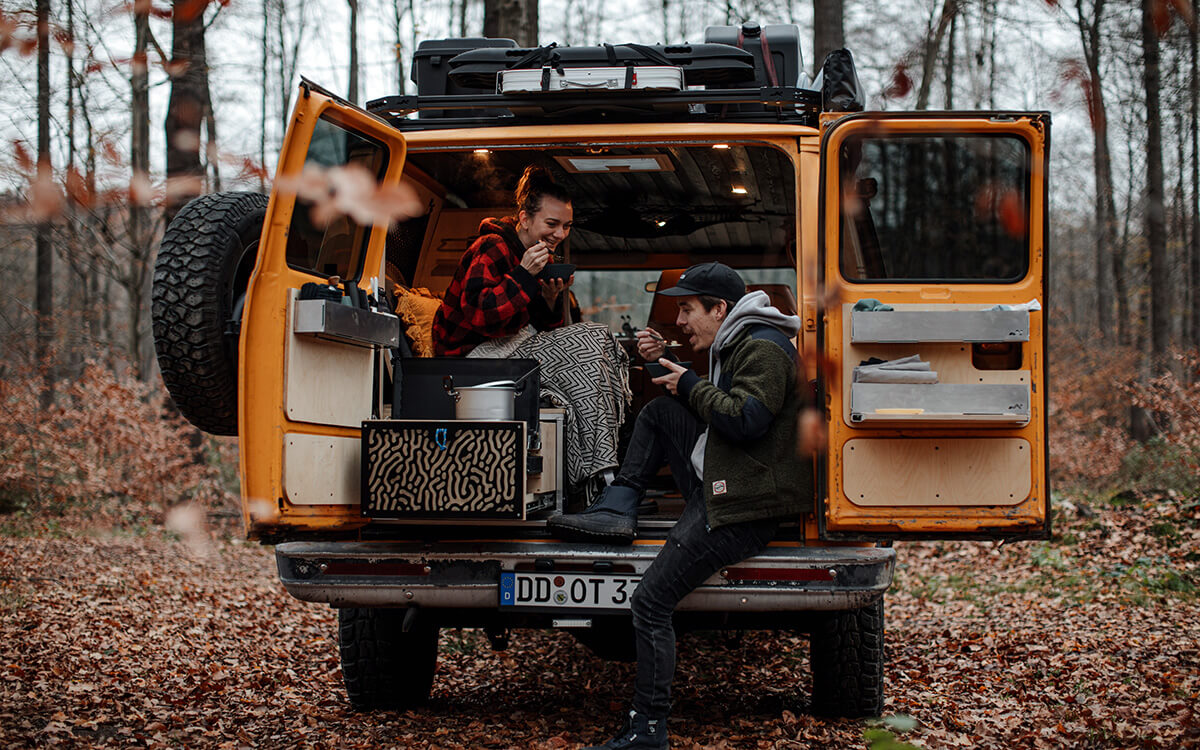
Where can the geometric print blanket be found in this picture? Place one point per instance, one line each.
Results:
(585, 371)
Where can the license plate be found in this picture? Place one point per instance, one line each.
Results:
(566, 590)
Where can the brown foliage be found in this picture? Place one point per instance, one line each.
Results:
(1093, 388)
(107, 441)
(1088, 640)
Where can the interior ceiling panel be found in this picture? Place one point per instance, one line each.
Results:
(689, 209)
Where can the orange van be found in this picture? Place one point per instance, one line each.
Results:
(911, 245)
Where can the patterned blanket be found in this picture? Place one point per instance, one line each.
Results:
(585, 371)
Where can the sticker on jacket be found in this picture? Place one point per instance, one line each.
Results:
(719, 487)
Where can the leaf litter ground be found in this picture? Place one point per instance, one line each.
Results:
(1089, 640)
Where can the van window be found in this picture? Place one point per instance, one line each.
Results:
(335, 248)
(615, 297)
(940, 208)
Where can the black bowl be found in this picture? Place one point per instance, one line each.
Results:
(657, 371)
(557, 271)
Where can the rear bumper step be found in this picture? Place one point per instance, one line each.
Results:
(466, 575)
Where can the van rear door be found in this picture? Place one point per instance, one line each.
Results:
(934, 380)
(311, 370)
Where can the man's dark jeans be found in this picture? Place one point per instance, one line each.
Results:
(667, 431)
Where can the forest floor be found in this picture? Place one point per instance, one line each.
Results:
(139, 637)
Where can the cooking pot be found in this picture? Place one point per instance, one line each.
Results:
(486, 401)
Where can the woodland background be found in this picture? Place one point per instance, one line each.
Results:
(113, 114)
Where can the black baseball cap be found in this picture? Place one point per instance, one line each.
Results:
(712, 279)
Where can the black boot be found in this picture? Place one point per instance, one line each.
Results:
(612, 518)
(640, 733)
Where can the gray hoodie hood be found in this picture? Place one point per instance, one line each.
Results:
(752, 309)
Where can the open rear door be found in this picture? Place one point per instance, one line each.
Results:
(933, 232)
(311, 371)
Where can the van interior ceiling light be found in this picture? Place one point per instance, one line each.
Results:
(482, 151)
(739, 190)
(602, 164)
(721, 146)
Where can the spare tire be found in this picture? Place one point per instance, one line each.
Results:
(200, 278)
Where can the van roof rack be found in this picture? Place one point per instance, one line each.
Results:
(776, 104)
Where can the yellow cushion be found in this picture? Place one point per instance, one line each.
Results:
(416, 308)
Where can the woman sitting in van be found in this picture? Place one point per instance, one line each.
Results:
(497, 307)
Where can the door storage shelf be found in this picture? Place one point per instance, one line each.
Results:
(997, 404)
(330, 320)
(443, 469)
(915, 326)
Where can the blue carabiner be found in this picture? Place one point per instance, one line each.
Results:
(439, 436)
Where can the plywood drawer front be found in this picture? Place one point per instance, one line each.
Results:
(443, 469)
(999, 403)
(938, 472)
(915, 326)
(320, 469)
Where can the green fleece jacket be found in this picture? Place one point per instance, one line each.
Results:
(751, 469)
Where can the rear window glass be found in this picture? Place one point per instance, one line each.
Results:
(615, 298)
(940, 208)
(335, 248)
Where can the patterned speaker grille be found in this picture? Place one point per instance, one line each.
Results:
(443, 469)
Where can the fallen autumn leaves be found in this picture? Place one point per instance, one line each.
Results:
(1091, 640)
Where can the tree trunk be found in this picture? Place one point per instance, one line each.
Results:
(1181, 324)
(185, 108)
(1156, 233)
(933, 44)
(828, 30)
(950, 63)
(398, 17)
(262, 105)
(44, 274)
(212, 148)
(1105, 208)
(139, 239)
(352, 96)
(1194, 127)
(288, 59)
(1126, 330)
(511, 19)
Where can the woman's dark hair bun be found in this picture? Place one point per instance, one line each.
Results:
(536, 183)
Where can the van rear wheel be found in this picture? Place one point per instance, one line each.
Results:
(846, 654)
(383, 666)
(204, 264)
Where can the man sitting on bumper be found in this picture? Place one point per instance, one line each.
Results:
(731, 443)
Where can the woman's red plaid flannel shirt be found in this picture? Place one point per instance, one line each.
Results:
(491, 295)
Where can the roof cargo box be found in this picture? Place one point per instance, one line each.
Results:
(786, 66)
(702, 64)
(431, 66)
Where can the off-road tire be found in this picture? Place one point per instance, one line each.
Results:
(200, 276)
(846, 654)
(382, 666)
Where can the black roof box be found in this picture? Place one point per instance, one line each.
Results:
(782, 39)
(431, 68)
(702, 64)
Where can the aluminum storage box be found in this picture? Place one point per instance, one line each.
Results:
(642, 78)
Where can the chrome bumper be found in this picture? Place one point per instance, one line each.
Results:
(466, 575)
